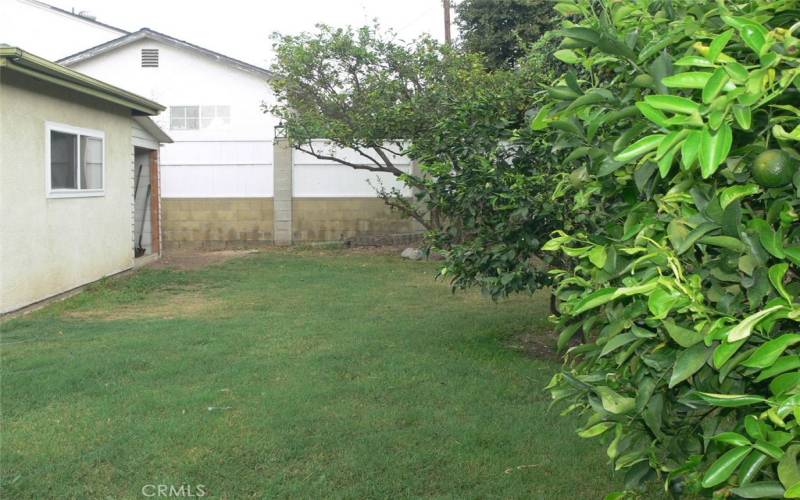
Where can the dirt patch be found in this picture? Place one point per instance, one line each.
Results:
(540, 345)
(196, 260)
(162, 306)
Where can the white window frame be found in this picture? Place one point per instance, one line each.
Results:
(77, 131)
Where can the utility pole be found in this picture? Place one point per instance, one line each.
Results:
(447, 37)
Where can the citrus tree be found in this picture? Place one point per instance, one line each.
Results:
(682, 133)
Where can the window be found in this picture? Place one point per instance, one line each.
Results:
(149, 58)
(75, 161)
(197, 117)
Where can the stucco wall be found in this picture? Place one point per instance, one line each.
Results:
(51, 245)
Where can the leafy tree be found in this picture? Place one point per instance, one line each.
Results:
(496, 202)
(683, 134)
(367, 91)
(502, 29)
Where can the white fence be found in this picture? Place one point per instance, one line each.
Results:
(243, 169)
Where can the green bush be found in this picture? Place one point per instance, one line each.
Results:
(684, 284)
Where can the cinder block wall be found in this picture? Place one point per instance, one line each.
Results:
(337, 219)
(216, 223)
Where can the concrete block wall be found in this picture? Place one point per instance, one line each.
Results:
(216, 223)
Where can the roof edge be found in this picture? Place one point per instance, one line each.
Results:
(43, 5)
(16, 59)
(161, 37)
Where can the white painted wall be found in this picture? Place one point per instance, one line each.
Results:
(48, 33)
(233, 160)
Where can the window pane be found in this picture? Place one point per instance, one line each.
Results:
(177, 123)
(91, 163)
(192, 111)
(192, 123)
(63, 160)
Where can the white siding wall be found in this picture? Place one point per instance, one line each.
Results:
(232, 160)
(24, 24)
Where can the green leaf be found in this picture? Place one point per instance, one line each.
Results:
(781, 365)
(732, 438)
(761, 489)
(788, 470)
(598, 256)
(673, 104)
(721, 470)
(718, 45)
(684, 337)
(690, 148)
(687, 80)
(751, 467)
(769, 352)
(566, 55)
(743, 329)
(652, 114)
(688, 363)
(700, 62)
(771, 240)
(714, 85)
(640, 147)
(768, 449)
(714, 149)
(662, 301)
(742, 115)
(596, 429)
(737, 72)
(595, 299)
(733, 193)
(617, 342)
(613, 402)
(785, 383)
(730, 400)
(725, 351)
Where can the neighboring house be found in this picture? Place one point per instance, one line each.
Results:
(51, 32)
(71, 189)
(219, 178)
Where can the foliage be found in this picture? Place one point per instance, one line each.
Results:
(685, 282)
(367, 91)
(490, 178)
(501, 29)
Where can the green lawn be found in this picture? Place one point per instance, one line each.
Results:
(294, 374)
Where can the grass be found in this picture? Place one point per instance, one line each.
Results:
(286, 374)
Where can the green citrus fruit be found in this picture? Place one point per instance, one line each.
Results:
(773, 168)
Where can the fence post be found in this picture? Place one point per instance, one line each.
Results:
(282, 191)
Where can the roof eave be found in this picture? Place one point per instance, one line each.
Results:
(15, 59)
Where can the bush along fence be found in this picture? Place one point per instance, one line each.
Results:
(683, 118)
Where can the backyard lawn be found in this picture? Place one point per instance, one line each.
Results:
(300, 374)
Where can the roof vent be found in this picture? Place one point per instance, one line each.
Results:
(149, 58)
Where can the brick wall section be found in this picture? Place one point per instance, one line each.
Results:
(216, 223)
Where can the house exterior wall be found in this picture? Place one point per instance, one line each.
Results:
(23, 23)
(52, 245)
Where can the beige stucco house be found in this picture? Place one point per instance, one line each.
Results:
(79, 197)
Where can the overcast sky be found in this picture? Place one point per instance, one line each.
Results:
(242, 28)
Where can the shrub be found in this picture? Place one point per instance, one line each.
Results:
(685, 283)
